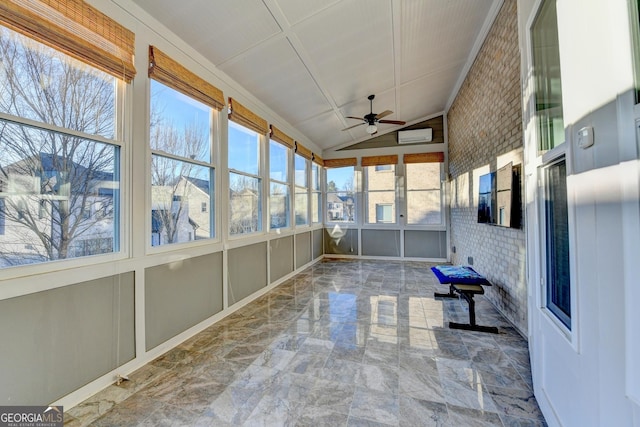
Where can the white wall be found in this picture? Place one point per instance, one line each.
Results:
(587, 376)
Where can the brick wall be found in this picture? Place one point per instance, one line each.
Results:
(484, 133)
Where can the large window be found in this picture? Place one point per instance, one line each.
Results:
(341, 194)
(60, 150)
(280, 188)
(547, 79)
(245, 182)
(424, 194)
(380, 194)
(182, 173)
(302, 190)
(558, 278)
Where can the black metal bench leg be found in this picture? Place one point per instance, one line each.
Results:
(472, 326)
(472, 310)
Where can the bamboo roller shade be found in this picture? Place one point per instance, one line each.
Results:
(242, 115)
(281, 137)
(436, 157)
(317, 159)
(303, 151)
(338, 163)
(169, 72)
(76, 29)
(379, 160)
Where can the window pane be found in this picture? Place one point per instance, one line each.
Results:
(244, 204)
(340, 179)
(384, 179)
(301, 171)
(44, 85)
(316, 199)
(547, 79)
(279, 205)
(557, 242)
(381, 198)
(244, 149)
(380, 194)
(423, 176)
(384, 213)
(60, 196)
(315, 177)
(302, 207)
(179, 191)
(179, 125)
(278, 162)
(424, 201)
(341, 207)
(424, 207)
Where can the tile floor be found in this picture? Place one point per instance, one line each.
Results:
(343, 343)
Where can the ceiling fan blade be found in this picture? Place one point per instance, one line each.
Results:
(359, 124)
(393, 122)
(357, 118)
(384, 114)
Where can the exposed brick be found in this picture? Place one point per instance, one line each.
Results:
(485, 122)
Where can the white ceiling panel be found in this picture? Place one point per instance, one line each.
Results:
(321, 129)
(351, 46)
(298, 10)
(314, 62)
(219, 30)
(442, 33)
(434, 91)
(270, 71)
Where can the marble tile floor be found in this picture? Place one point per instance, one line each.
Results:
(343, 343)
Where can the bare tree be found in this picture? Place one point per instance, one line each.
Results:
(279, 205)
(59, 187)
(170, 190)
(244, 200)
(172, 179)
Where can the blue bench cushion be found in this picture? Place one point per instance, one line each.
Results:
(459, 274)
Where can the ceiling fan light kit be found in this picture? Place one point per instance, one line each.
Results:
(371, 119)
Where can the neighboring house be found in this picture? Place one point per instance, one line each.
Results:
(340, 207)
(381, 194)
(185, 209)
(278, 207)
(244, 211)
(51, 209)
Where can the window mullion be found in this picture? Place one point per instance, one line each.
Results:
(57, 129)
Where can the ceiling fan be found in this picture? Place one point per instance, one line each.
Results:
(371, 119)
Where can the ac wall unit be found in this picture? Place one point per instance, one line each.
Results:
(415, 136)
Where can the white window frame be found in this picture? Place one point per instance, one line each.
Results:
(316, 191)
(122, 215)
(443, 217)
(356, 198)
(553, 157)
(371, 218)
(286, 183)
(260, 176)
(298, 189)
(212, 165)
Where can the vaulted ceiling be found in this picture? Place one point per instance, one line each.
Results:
(314, 62)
